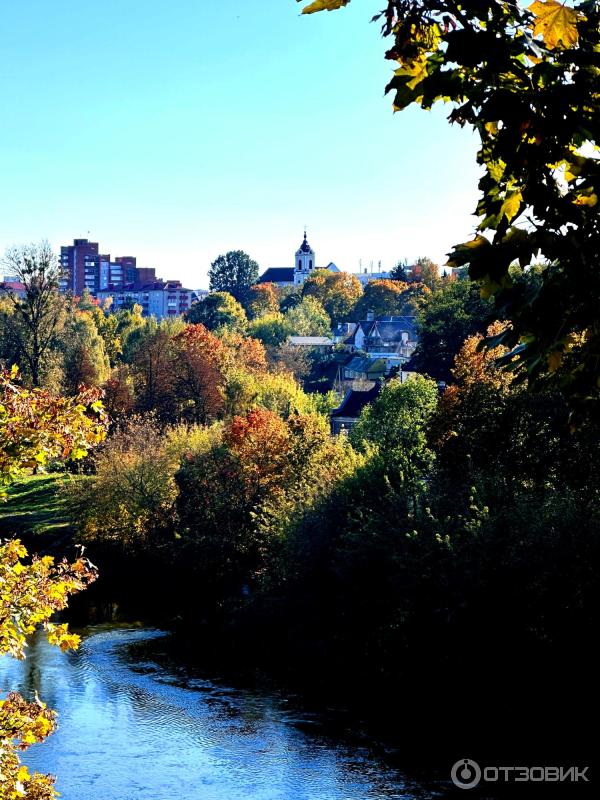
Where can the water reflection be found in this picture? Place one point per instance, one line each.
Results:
(131, 728)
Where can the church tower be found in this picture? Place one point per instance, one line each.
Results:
(304, 262)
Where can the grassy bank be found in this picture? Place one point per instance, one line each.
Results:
(36, 510)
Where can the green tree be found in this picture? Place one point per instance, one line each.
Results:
(271, 329)
(235, 272)
(398, 273)
(218, 310)
(538, 193)
(394, 427)
(84, 356)
(308, 318)
(451, 314)
(107, 325)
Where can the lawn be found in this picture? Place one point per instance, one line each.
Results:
(35, 507)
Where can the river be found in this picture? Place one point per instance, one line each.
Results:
(132, 727)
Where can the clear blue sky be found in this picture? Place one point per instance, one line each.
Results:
(175, 130)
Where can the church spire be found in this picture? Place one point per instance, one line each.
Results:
(304, 261)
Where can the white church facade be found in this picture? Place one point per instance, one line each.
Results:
(304, 266)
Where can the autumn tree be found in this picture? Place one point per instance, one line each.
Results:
(218, 310)
(386, 298)
(337, 292)
(236, 499)
(37, 426)
(196, 366)
(235, 272)
(262, 299)
(509, 72)
(427, 272)
(37, 319)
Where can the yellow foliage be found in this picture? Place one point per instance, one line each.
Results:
(510, 206)
(556, 23)
(30, 594)
(324, 5)
(586, 199)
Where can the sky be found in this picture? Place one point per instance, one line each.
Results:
(176, 130)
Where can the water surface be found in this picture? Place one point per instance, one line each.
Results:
(131, 728)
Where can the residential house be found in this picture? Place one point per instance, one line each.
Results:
(346, 415)
(320, 343)
(391, 338)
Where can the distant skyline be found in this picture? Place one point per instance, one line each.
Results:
(177, 131)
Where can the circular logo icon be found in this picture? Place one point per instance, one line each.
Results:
(466, 774)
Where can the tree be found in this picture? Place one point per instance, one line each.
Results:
(427, 273)
(336, 291)
(235, 272)
(151, 360)
(218, 310)
(398, 273)
(271, 329)
(85, 359)
(382, 298)
(263, 299)
(132, 488)
(452, 313)
(539, 193)
(37, 426)
(196, 367)
(110, 329)
(308, 318)
(38, 318)
(236, 499)
(395, 425)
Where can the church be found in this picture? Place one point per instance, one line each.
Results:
(304, 266)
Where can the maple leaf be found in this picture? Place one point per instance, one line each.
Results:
(555, 23)
(324, 5)
(511, 205)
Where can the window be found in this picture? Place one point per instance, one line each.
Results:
(299, 264)
(310, 264)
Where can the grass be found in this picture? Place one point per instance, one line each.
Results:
(36, 507)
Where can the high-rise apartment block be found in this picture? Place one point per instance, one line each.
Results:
(84, 267)
(121, 281)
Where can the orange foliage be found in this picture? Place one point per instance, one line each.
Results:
(263, 299)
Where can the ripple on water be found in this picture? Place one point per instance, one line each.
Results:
(131, 728)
